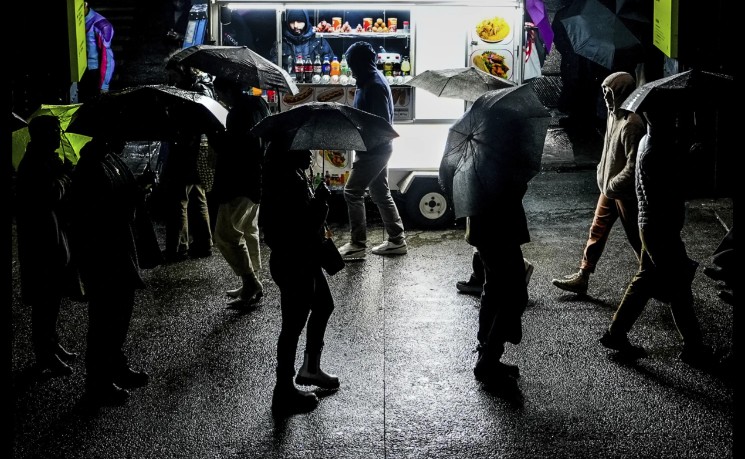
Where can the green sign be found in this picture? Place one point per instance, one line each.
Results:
(76, 38)
(665, 28)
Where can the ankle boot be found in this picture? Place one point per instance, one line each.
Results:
(310, 373)
(288, 399)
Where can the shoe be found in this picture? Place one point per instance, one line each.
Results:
(235, 293)
(471, 287)
(108, 395)
(244, 304)
(495, 374)
(288, 399)
(65, 355)
(699, 356)
(200, 253)
(311, 374)
(351, 251)
(52, 366)
(131, 379)
(575, 283)
(175, 257)
(390, 248)
(622, 345)
(528, 271)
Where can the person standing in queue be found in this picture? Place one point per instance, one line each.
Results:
(370, 168)
(98, 36)
(293, 211)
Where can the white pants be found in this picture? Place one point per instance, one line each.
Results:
(237, 235)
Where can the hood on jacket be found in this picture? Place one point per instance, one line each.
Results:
(616, 88)
(361, 59)
(302, 16)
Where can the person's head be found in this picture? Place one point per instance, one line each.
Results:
(45, 132)
(246, 113)
(616, 88)
(361, 58)
(297, 21)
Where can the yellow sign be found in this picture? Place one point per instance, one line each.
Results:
(665, 28)
(76, 38)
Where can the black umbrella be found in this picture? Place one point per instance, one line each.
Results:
(326, 126)
(498, 141)
(690, 89)
(151, 112)
(613, 35)
(467, 83)
(237, 64)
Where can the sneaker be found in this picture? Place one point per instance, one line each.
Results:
(350, 251)
(472, 287)
(622, 345)
(390, 248)
(528, 271)
(575, 283)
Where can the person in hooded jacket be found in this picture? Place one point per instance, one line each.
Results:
(615, 177)
(370, 168)
(299, 37)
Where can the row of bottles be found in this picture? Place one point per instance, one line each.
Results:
(305, 70)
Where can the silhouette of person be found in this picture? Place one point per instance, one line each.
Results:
(291, 211)
(42, 185)
(105, 199)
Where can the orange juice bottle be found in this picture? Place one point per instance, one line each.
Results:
(335, 67)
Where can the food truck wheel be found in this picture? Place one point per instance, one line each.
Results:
(427, 206)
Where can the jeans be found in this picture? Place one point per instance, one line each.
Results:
(370, 171)
(237, 235)
(304, 297)
(607, 212)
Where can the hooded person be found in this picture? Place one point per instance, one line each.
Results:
(370, 168)
(299, 38)
(615, 178)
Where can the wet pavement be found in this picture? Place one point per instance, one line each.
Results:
(402, 340)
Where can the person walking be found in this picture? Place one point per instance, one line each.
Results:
(42, 186)
(665, 270)
(99, 34)
(615, 177)
(475, 283)
(292, 211)
(105, 199)
(370, 168)
(237, 189)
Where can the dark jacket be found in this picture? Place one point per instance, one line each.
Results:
(240, 153)
(373, 94)
(307, 44)
(43, 252)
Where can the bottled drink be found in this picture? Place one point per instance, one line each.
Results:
(406, 67)
(291, 68)
(326, 66)
(308, 69)
(299, 69)
(317, 66)
(344, 65)
(335, 67)
(388, 66)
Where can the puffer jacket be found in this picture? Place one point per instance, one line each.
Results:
(624, 130)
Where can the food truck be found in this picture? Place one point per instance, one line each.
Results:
(411, 37)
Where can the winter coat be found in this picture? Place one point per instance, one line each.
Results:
(307, 44)
(373, 94)
(43, 252)
(624, 130)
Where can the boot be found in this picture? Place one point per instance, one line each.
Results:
(288, 399)
(575, 283)
(310, 373)
(249, 293)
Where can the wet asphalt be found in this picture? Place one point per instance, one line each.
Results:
(402, 342)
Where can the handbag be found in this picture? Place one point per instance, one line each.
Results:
(331, 260)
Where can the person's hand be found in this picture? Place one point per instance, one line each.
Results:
(322, 192)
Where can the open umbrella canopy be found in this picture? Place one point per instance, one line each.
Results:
(690, 89)
(498, 141)
(467, 83)
(326, 126)
(150, 112)
(237, 64)
(70, 143)
(610, 33)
